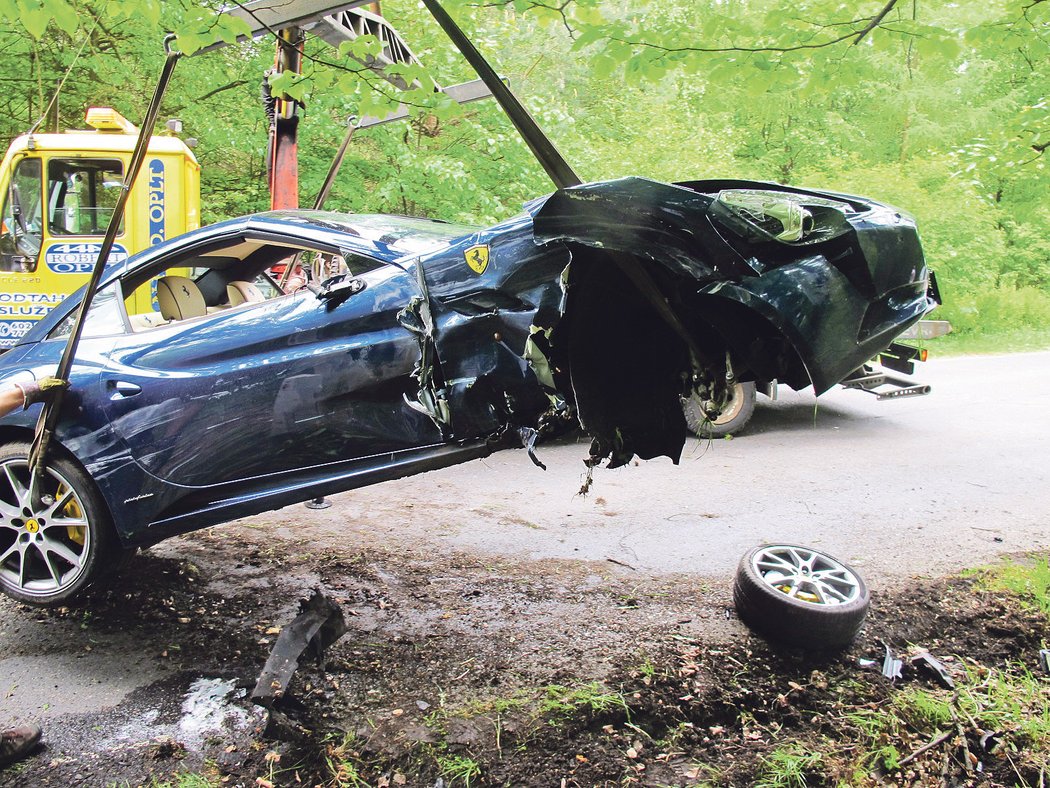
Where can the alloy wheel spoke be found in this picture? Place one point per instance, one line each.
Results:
(55, 574)
(66, 522)
(838, 582)
(22, 568)
(57, 507)
(772, 560)
(16, 486)
(831, 591)
(63, 552)
(13, 548)
(796, 559)
(31, 492)
(819, 590)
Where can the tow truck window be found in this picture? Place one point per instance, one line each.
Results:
(81, 195)
(20, 234)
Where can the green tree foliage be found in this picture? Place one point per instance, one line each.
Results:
(940, 108)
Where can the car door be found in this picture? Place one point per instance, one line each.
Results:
(272, 387)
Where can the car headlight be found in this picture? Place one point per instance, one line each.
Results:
(774, 214)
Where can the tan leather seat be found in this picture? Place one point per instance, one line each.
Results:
(146, 321)
(179, 298)
(239, 292)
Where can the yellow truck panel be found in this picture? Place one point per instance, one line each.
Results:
(58, 193)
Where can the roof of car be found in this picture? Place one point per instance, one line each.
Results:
(388, 236)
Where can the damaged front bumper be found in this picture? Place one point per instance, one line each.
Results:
(695, 286)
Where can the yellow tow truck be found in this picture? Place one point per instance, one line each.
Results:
(58, 194)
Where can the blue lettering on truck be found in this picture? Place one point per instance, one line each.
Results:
(156, 218)
(79, 257)
(19, 312)
(157, 232)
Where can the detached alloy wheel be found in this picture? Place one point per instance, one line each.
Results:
(54, 545)
(737, 413)
(800, 596)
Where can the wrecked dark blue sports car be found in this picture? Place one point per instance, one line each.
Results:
(603, 304)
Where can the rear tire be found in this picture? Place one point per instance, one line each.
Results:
(737, 413)
(800, 596)
(53, 549)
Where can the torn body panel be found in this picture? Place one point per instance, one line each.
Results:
(805, 311)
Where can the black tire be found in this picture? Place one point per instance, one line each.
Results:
(51, 552)
(819, 605)
(734, 418)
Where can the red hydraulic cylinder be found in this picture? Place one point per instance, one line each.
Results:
(284, 162)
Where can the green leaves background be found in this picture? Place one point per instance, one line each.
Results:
(942, 109)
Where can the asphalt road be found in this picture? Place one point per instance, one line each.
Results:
(915, 486)
(900, 489)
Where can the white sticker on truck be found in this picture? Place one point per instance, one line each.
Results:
(79, 258)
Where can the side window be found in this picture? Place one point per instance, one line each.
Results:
(82, 194)
(20, 234)
(103, 317)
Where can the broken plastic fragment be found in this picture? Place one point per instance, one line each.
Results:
(891, 666)
(319, 624)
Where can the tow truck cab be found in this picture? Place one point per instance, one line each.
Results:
(58, 193)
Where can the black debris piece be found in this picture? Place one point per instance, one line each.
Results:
(928, 662)
(319, 624)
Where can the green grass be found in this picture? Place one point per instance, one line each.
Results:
(1013, 701)
(790, 766)
(593, 697)
(458, 769)
(1017, 340)
(922, 709)
(182, 780)
(341, 759)
(1028, 580)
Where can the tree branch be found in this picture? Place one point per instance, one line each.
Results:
(876, 20)
(230, 86)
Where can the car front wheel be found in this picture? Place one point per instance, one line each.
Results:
(736, 414)
(800, 596)
(53, 544)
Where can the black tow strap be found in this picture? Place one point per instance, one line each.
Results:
(45, 425)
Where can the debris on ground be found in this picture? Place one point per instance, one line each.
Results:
(320, 623)
(460, 672)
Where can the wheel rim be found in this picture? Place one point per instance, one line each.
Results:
(734, 404)
(44, 546)
(806, 575)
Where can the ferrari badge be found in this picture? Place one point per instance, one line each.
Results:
(477, 258)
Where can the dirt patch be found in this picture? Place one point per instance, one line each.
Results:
(487, 672)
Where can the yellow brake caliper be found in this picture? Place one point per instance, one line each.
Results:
(72, 509)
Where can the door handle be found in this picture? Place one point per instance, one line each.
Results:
(122, 389)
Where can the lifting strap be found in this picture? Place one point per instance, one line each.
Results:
(45, 425)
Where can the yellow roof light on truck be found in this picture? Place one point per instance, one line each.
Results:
(108, 119)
